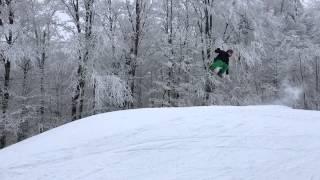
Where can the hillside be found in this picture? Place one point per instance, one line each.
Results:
(198, 143)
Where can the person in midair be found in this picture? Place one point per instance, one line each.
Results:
(221, 62)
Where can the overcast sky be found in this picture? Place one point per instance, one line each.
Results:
(306, 2)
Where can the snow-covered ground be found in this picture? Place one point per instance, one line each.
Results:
(200, 143)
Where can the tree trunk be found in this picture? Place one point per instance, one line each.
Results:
(7, 63)
(76, 93)
(317, 75)
(78, 98)
(6, 95)
(7, 68)
(23, 125)
(134, 51)
(42, 90)
(171, 26)
(317, 82)
(112, 20)
(94, 96)
(302, 82)
(282, 6)
(75, 97)
(208, 26)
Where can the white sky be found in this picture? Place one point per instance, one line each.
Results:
(307, 2)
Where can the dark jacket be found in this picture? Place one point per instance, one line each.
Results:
(222, 55)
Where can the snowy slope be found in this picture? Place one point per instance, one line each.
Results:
(201, 143)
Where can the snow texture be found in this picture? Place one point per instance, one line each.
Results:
(199, 143)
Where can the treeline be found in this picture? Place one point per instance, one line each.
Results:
(62, 60)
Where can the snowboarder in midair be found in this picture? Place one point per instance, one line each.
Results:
(220, 64)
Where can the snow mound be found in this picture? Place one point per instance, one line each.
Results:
(199, 143)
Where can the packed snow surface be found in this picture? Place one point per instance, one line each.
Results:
(199, 143)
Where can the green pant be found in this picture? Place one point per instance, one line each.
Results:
(219, 64)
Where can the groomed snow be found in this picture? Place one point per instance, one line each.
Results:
(200, 143)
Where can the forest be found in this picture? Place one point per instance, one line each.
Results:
(63, 60)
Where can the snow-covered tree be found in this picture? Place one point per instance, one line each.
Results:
(67, 59)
